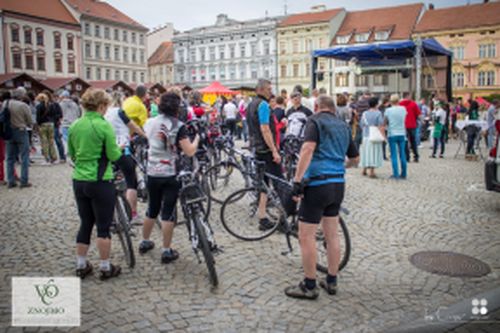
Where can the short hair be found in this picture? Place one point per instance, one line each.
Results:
(406, 94)
(169, 104)
(262, 83)
(4, 95)
(325, 102)
(341, 100)
(283, 91)
(18, 93)
(141, 91)
(117, 98)
(93, 98)
(373, 102)
(280, 100)
(298, 88)
(394, 98)
(43, 98)
(296, 94)
(494, 102)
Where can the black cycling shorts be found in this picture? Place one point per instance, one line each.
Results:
(127, 166)
(271, 167)
(319, 201)
(163, 194)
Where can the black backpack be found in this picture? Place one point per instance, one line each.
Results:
(5, 126)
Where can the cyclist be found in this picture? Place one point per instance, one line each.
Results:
(123, 126)
(296, 116)
(262, 133)
(321, 161)
(167, 136)
(92, 145)
(134, 106)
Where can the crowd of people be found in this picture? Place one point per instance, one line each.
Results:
(95, 131)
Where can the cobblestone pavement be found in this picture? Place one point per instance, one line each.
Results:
(442, 206)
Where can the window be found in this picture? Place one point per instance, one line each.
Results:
(181, 56)
(125, 54)
(97, 31)
(108, 74)
(39, 37)
(142, 57)
(134, 55)
(295, 46)
(71, 66)
(107, 34)
(27, 36)
(243, 50)
(309, 45)
(141, 40)
(202, 54)
(202, 73)
(487, 51)
(308, 69)
(282, 48)
(117, 75)
(125, 36)
(362, 38)
(361, 80)
(29, 62)
(428, 81)
(340, 63)
(211, 72)
(458, 52)
(107, 52)
(193, 75)
(458, 79)
(192, 55)
(342, 80)
(117, 53)
(295, 70)
(57, 40)
(382, 35)
(58, 65)
(212, 53)
(87, 29)
(253, 49)
(98, 51)
(254, 70)
(134, 40)
(125, 76)
(222, 54)
(134, 76)
(143, 77)
(283, 70)
(232, 52)
(232, 71)
(222, 72)
(486, 78)
(117, 36)
(380, 80)
(40, 62)
(88, 73)
(70, 43)
(87, 50)
(343, 39)
(243, 70)
(322, 43)
(267, 47)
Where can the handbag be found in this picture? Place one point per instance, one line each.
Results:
(374, 135)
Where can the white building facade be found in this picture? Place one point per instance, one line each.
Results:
(232, 52)
(154, 38)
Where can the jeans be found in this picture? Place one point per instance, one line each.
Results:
(65, 133)
(439, 141)
(491, 137)
(245, 130)
(417, 133)
(472, 132)
(2, 159)
(397, 146)
(412, 141)
(59, 143)
(47, 138)
(18, 145)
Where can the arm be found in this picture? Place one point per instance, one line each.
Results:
(352, 155)
(134, 128)
(71, 147)
(268, 138)
(305, 157)
(188, 147)
(27, 115)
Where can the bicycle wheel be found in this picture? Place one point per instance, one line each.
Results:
(123, 230)
(223, 179)
(239, 215)
(204, 246)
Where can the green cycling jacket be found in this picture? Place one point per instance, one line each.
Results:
(92, 145)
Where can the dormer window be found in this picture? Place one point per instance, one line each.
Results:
(362, 37)
(382, 35)
(343, 39)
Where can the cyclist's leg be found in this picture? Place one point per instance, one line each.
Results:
(154, 205)
(330, 223)
(103, 204)
(307, 241)
(170, 194)
(127, 166)
(87, 220)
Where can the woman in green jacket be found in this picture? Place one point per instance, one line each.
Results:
(92, 146)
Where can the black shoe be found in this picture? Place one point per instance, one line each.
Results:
(113, 272)
(12, 185)
(433, 156)
(330, 288)
(415, 160)
(300, 291)
(145, 246)
(441, 156)
(25, 185)
(83, 272)
(265, 224)
(169, 256)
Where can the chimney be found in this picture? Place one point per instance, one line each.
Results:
(486, 1)
(431, 6)
(318, 8)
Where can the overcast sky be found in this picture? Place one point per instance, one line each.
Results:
(187, 14)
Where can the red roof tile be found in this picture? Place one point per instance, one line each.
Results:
(401, 19)
(461, 17)
(102, 10)
(56, 83)
(51, 9)
(310, 17)
(164, 54)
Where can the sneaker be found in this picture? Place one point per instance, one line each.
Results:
(441, 156)
(83, 272)
(113, 272)
(330, 288)
(433, 156)
(45, 163)
(12, 185)
(25, 185)
(300, 291)
(265, 224)
(145, 246)
(169, 256)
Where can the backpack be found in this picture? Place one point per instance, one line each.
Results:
(296, 124)
(5, 125)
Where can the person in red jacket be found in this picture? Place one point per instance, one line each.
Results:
(412, 114)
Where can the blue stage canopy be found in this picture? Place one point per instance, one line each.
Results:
(370, 53)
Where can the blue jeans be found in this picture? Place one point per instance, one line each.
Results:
(59, 143)
(18, 145)
(397, 145)
(417, 133)
(245, 130)
(65, 133)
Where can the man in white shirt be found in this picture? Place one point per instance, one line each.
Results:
(230, 112)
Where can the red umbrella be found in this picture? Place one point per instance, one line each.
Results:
(481, 100)
(218, 89)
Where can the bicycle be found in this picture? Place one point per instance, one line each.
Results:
(192, 198)
(139, 149)
(244, 203)
(291, 149)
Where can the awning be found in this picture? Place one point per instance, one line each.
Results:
(217, 89)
